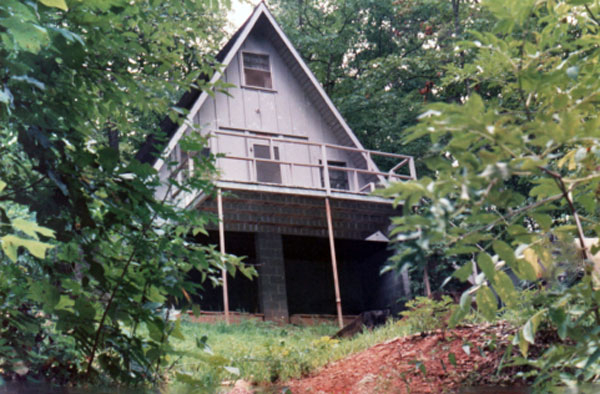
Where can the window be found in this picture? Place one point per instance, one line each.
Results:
(265, 171)
(257, 70)
(338, 179)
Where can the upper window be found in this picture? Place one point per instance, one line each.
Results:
(257, 70)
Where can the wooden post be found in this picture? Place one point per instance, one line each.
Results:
(222, 250)
(412, 168)
(325, 171)
(336, 283)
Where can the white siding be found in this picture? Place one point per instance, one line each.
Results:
(285, 111)
(205, 118)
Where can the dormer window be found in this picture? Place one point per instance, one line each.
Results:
(257, 70)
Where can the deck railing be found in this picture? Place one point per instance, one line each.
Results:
(302, 163)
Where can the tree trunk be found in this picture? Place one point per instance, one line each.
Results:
(406, 283)
(456, 11)
(113, 139)
(426, 280)
(457, 32)
(300, 20)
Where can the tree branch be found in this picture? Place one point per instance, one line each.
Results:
(591, 14)
(521, 92)
(7, 196)
(118, 285)
(565, 193)
(510, 215)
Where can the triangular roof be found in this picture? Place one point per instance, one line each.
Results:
(261, 18)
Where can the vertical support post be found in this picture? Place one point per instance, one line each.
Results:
(222, 250)
(216, 152)
(325, 171)
(336, 283)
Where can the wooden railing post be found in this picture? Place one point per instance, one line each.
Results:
(292, 162)
(325, 169)
(412, 168)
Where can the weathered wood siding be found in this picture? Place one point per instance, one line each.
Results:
(284, 111)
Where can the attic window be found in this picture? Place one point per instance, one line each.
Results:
(257, 70)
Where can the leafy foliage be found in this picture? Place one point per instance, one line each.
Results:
(263, 352)
(515, 176)
(425, 314)
(81, 85)
(381, 61)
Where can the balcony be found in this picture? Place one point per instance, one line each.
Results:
(258, 162)
(297, 163)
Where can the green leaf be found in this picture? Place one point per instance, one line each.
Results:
(505, 252)
(505, 289)
(527, 270)
(2, 185)
(484, 261)
(61, 4)
(199, 230)
(46, 294)
(487, 303)
(543, 220)
(155, 330)
(531, 327)
(546, 188)
(460, 312)
(84, 309)
(108, 158)
(176, 332)
(464, 272)
(593, 359)
(523, 344)
(10, 247)
(36, 248)
(32, 228)
(28, 36)
(452, 359)
(65, 303)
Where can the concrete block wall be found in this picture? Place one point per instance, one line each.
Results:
(271, 277)
(300, 215)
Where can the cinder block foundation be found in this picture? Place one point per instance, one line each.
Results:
(271, 277)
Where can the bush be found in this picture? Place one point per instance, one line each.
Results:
(426, 314)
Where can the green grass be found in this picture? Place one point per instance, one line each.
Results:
(263, 352)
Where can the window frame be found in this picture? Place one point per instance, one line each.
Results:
(335, 163)
(262, 166)
(243, 71)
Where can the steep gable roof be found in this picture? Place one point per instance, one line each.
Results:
(262, 19)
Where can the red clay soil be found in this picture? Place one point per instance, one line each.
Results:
(416, 364)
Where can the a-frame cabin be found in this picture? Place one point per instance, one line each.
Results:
(294, 184)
